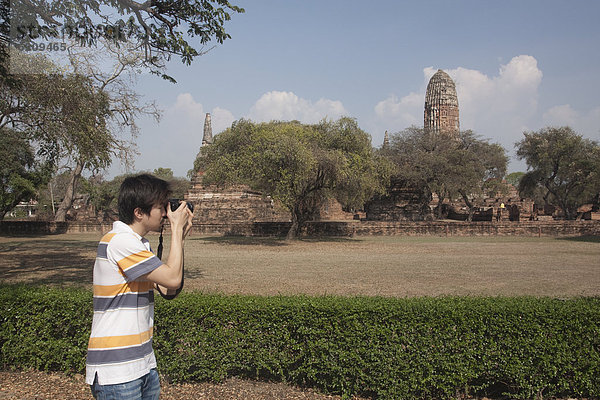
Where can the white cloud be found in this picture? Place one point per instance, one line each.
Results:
(499, 107)
(186, 107)
(187, 117)
(560, 115)
(287, 106)
(221, 119)
(175, 142)
(584, 123)
(402, 112)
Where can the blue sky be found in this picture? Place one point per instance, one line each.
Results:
(518, 66)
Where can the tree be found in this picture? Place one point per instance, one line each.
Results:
(20, 174)
(179, 186)
(57, 115)
(296, 164)
(479, 168)
(160, 28)
(104, 195)
(514, 178)
(421, 162)
(123, 108)
(564, 164)
(463, 166)
(48, 195)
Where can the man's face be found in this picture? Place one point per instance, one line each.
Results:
(155, 218)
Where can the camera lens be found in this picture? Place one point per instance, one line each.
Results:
(176, 202)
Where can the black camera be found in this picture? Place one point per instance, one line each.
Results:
(176, 202)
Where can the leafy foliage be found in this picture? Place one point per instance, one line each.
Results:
(563, 164)
(179, 186)
(514, 178)
(58, 116)
(298, 165)
(463, 166)
(378, 347)
(162, 28)
(20, 173)
(104, 195)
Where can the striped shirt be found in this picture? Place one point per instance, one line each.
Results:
(120, 346)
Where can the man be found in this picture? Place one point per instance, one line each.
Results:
(120, 360)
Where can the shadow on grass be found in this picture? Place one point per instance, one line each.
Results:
(242, 240)
(588, 239)
(330, 239)
(48, 262)
(270, 241)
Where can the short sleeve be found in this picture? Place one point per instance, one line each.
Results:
(132, 257)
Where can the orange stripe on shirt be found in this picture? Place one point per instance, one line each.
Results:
(106, 342)
(127, 287)
(106, 238)
(130, 261)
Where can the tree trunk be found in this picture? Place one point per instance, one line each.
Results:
(441, 198)
(469, 205)
(292, 233)
(297, 222)
(67, 202)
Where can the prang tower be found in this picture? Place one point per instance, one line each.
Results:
(441, 105)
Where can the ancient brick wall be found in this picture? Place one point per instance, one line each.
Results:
(234, 204)
(338, 228)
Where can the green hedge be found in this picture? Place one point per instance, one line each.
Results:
(376, 347)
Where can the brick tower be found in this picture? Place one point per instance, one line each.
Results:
(441, 105)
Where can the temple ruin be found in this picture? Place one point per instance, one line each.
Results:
(441, 105)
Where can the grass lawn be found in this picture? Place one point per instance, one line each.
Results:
(371, 266)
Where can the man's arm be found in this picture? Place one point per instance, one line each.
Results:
(169, 274)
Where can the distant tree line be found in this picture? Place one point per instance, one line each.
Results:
(99, 192)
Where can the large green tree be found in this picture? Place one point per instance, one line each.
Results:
(65, 117)
(464, 166)
(514, 178)
(296, 164)
(563, 164)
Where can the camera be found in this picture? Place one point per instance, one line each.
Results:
(176, 202)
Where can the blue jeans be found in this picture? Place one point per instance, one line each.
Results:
(145, 388)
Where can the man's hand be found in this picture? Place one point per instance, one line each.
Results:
(170, 273)
(180, 219)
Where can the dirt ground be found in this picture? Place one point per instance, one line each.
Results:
(35, 385)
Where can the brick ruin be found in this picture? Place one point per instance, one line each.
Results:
(231, 204)
(441, 105)
(403, 203)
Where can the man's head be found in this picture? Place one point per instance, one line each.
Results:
(141, 191)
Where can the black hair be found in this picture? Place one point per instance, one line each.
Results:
(141, 191)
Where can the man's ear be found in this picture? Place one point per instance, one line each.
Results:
(138, 213)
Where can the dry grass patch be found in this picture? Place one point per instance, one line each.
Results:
(371, 266)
